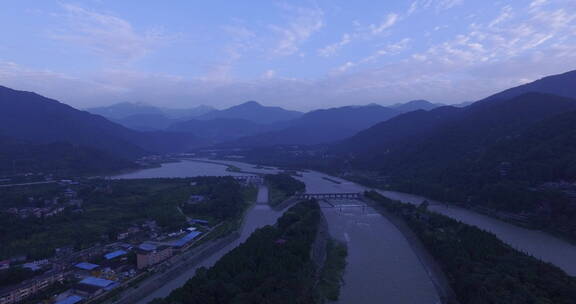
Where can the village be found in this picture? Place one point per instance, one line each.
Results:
(92, 274)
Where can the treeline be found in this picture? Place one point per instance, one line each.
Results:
(15, 275)
(223, 198)
(282, 186)
(110, 207)
(273, 266)
(60, 159)
(481, 268)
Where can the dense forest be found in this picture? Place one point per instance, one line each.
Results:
(282, 186)
(273, 266)
(223, 198)
(60, 159)
(481, 268)
(108, 208)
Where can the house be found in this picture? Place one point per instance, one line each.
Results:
(193, 199)
(71, 300)
(18, 293)
(184, 242)
(85, 269)
(92, 286)
(146, 258)
(115, 254)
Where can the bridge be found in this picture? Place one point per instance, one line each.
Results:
(246, 179)
(343, 195)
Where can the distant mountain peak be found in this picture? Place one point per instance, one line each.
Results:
(251, 103)
(415, 105)
(372, 104)
(255, 112)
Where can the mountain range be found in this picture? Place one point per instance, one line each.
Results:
(144, 117)
(512, 152)
(30, 119)
(45, 128)
(322, 126)
(127, 109)
(415, 105)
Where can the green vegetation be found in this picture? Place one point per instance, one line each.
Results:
(223, 199)
(331, 277)
(110, 207)
(61, 159)
(480, 267)
(282, 186)
(273, 266)
(232, 168)
(15, 275)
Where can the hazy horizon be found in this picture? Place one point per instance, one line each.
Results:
(300, 55)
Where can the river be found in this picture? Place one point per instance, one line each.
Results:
(381, 265)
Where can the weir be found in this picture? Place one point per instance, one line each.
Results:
(343, 195)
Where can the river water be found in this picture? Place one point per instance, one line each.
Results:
(382, 268)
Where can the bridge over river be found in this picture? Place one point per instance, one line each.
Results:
(336, 195)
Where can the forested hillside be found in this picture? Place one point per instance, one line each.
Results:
(273, 266)
(480, 267)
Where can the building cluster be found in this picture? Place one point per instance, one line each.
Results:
(92, 272)
(38, 207)
(20, 292)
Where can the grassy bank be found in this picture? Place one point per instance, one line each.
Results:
(331, 276)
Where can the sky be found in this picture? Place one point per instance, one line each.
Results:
(299, 54)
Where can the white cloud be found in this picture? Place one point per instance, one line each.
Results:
(537, 3)
(387, 23)
(106, 35)
(448, 4)
(332, 49)
(437, 5)
(390, 49)
(304, 22)
(361, 33)
(515, 46)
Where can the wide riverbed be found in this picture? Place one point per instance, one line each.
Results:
(382, 268)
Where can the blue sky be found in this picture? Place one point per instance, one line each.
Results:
(300, 54)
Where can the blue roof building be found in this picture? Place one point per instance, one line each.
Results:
(115, 254)
(185, 239)
(71, 300)
(86, 266)
(98, 282)
(147, 247)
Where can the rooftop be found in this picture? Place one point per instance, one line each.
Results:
(147, 247)
(115, 254)
(71, 300)
(184, 240)
(93, 281)
(86, 266)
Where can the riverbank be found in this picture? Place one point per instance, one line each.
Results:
(481, 268)
(433, 269)
(217, 239)
(187, 262)
(381, 265)
(282, 254)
